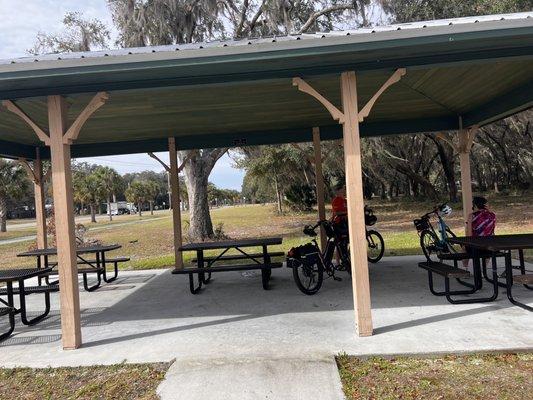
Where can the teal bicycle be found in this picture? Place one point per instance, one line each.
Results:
(434, 242)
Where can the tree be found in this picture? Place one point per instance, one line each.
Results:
(138, 192)
(151, 192)
(197, 170)
(79, 35)
(87, 189)
(110, 182)
(421, 10)
(13, 185)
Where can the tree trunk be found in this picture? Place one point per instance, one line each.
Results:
(109, 209)
(278, 196)
(3, 214)
(151, 207)
(448, 167)
(140, 209)
(93, 212)
(201, 226)
(197, 169)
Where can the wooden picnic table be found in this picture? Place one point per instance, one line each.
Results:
(8, 306)
(207, 265)
(98, 265)
(481, 245)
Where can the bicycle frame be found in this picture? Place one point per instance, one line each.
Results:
(442, 227)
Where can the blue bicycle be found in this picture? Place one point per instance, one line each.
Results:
(434, 242)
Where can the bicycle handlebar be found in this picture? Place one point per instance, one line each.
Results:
(434, 211)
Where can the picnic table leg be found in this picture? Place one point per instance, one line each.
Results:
(10, 304)
(23, 314)
(115, 272)
(509, 282)
(201, 264)
(266, 272)
(98, 277)
(193, 289)
(523, 267)
(476, 266)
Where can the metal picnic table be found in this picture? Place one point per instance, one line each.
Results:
(8, 306)
(503, 244)
(97, 266)
(207, 265)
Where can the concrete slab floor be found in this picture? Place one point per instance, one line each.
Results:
(150, 316)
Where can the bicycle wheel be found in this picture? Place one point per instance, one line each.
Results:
(430, 245)
(308, 276)
(376, 246)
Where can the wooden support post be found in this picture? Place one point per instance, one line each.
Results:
(350, 118)
(319, 184)
(466, 185)
(40, 210)
(466, 138)
(175, 200)
(64, 219)
(356, 220)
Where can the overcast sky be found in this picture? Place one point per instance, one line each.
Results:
(22, 20)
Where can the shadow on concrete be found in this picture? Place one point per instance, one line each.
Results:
(235, 297)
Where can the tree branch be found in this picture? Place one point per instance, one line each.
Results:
(318, 14)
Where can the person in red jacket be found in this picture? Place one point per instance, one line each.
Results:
(339, 205)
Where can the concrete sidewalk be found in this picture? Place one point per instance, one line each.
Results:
(252, 379)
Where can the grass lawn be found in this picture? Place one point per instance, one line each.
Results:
(149, 244)
(122, 381)
(469, 377)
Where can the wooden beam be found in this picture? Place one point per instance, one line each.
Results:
(41, 134)
(29, 170)
(189, 155)
(165, 166)
(39, 196)
(391, 81)
(64, 219)
(356, 219)
(175, 201)
(303, 86)
(319, 185)
(96, 102)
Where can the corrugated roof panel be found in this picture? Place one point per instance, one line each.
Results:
(422, 26)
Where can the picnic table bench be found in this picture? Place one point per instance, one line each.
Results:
(480, 248)
(499, 244)
(210, 264)
(86, 266)
(8, 305)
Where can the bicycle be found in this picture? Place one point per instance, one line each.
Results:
(376, 244)
(308, 263)
(435, 243)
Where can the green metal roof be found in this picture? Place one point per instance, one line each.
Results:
(240, 92)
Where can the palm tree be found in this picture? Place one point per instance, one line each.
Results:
(138, 192)
(13, 184)
(87, 190)
(109, 182)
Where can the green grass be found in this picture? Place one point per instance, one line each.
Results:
(469, 377)
(150, 244)
(122, 381)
